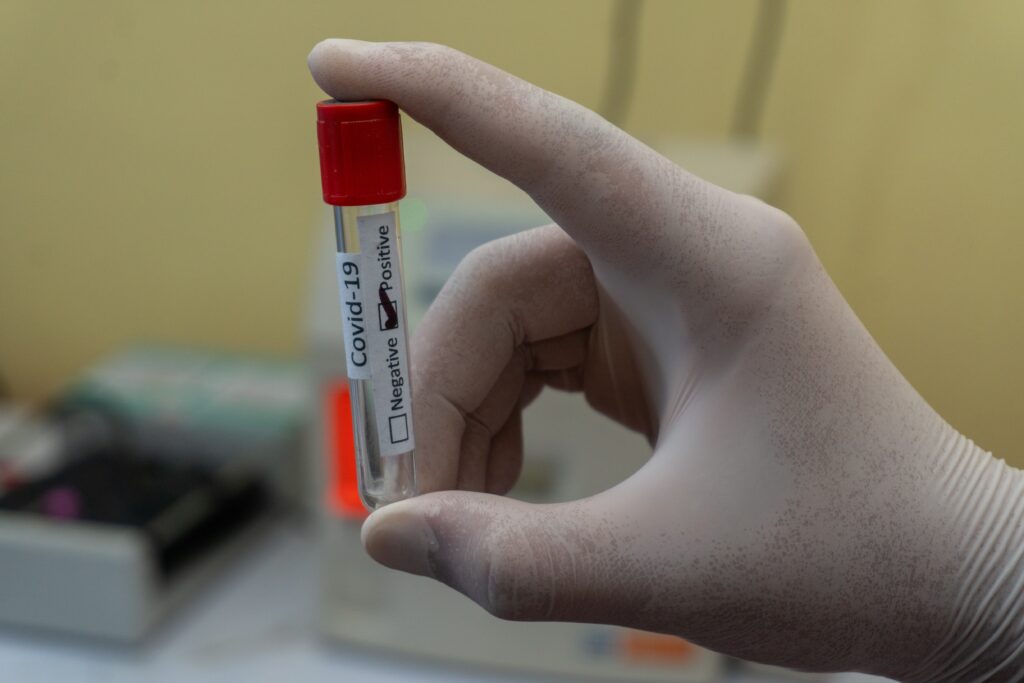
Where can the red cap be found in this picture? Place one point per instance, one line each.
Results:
(360, 152)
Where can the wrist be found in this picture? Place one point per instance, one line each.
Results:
(983, 634)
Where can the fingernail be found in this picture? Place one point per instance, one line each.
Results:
(398, 537)
(341, 44)
(325, 48)
(349, 43)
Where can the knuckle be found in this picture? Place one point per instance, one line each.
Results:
(777, 255)
(525, 579)
(484, 266)
(786, 229)
(482, 257)
(510, 595)
(778, 226)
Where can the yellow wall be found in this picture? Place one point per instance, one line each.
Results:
(158, 171)
(905, 125)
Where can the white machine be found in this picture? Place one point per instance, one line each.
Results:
(151, 473)
(453, 206)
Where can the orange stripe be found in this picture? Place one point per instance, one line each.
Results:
(640, 646)
(343, 484)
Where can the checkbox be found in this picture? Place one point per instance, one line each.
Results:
(387, 316)
(398, 425)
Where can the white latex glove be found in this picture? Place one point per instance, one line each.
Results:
(804, 506)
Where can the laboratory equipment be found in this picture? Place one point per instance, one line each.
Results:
(30, 445)
(176, 402)
(109, 544)
(363, 177)
(157, 468)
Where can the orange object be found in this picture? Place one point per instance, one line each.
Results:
(640, 646)
(343, 484)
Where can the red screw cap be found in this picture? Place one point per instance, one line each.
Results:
(360, 152)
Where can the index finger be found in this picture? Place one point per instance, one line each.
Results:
(610, 192)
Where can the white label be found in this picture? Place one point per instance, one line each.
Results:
(353, 316)
(386, 331)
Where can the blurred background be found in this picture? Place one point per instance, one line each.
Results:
(159, 186)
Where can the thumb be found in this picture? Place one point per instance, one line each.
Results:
(560, 562)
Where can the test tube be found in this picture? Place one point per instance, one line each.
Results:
(363, 176)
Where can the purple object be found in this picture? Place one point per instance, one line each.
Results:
(62, 502)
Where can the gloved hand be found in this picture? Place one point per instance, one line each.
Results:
(804, 506)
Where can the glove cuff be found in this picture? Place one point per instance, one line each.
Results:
(984, 639)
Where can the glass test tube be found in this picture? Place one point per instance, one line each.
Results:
(383, 477)
(363, 177)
